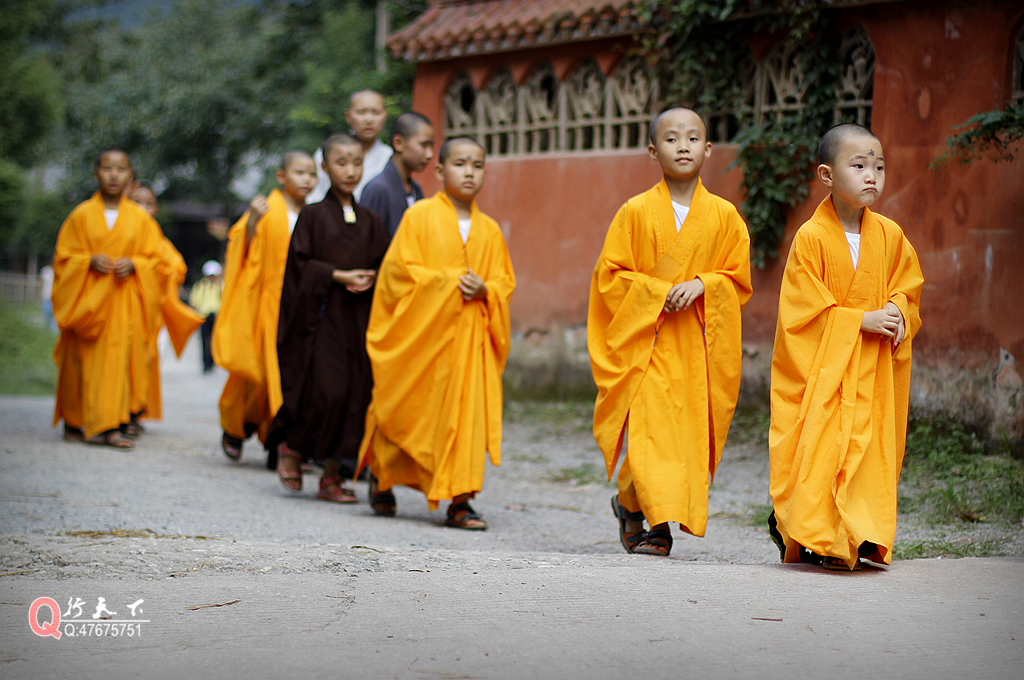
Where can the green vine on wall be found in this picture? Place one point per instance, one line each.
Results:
(991, 134)
(699, 48)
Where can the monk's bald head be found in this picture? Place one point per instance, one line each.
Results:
(665, 116)
(832, 140)
(115, 154)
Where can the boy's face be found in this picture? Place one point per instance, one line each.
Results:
(417, 149)
(299, 178)
(463, 171)
(146, 199)
(344, 165)
(366, 116)
(681, 145)
(857, 176)
(114, 173)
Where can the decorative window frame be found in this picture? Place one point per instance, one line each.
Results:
(772, 89)
(586, 112)
(590, 112)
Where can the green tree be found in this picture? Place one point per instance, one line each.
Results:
(30, 104)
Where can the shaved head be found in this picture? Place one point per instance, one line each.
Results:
(828, 147)
(446, 148)
(408, 124)
(339, 139)
(99, 159)
(652, 132)
(353, 101)
(292, 156)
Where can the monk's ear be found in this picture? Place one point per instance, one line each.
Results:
(439, 173)
(824, 173)
(280, 175)
(398, 143)
(707, 151)
(652, 151)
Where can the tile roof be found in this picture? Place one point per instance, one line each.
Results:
(452, 28)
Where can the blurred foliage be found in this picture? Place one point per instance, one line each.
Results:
(26, 351)
(991, 134)
(196, 94)
(30, 103)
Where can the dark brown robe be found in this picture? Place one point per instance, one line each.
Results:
(326, 378)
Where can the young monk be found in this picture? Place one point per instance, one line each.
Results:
(438, 340)
(180, 320)
(366, 115)
(848, 312)
(325, 306)
(245, 330)
(394, 189)
(106, 292)
(663, 331)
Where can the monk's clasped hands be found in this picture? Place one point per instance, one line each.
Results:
(355, 280)
(122, 268)
(682, 295)
(472, 286)
(887, 321)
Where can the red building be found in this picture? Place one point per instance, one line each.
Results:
(550, 89)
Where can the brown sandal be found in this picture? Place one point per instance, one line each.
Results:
(339, 495)
(73, 434)
(656, 542)
(232, 447)
(462, 516)
(290, 479)
(112, 438)
(382, 502)
(836, 564)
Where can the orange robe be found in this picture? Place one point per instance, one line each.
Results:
(245, 331)
(437, 359)
(671, 380)
(839, 395)
(180, 320)
(104, 322)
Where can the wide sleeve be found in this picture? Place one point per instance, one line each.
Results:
(625, 304)
(81, 296)
(727, 288)
(501, 282)
(812, 326)
(412, 328)
(233, 346)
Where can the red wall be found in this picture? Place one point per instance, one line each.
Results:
(936, 65)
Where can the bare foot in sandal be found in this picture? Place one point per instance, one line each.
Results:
(112, 438)
(462, 516)
(382, 502)
(289, 468)
(657, 541)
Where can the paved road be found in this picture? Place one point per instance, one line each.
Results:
(306, 588)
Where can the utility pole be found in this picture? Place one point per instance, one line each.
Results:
(383, 28)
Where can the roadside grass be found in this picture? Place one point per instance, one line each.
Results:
(26, 351)
(551, 418)
(584, 473)
(750, 425)
(757, 515)
(943, 547)
(950, 478)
